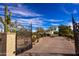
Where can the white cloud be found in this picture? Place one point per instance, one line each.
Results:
(3, 6)
(25, 13)
(36, 22)
(67, 12)
(54, 20)
(54, 24)
(74, 11)
(20, 10)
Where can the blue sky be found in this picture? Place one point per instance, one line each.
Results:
(42, 14)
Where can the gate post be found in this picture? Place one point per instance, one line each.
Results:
(8, 44)
(76, 36)
(77, 43)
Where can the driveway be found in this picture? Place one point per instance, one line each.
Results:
(51, 46)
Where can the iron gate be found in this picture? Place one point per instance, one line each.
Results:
(23, 39)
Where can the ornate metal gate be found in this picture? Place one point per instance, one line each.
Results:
(76, 35)
(23, 39)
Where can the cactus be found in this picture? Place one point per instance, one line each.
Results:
(7, 20)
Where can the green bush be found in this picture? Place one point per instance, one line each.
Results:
(34, 38)
(70, 36)
(65, 31)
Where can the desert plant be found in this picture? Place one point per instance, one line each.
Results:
(65, 31)
(7, 20)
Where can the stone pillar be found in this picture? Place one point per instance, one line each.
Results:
(7, 41)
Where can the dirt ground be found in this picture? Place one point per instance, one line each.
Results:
(51, 46)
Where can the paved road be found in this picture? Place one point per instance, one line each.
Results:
(51, 46)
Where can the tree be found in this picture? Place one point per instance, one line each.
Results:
(52, 28)
(34, 36)
(65, 31)
(40, 31)
(38, 34)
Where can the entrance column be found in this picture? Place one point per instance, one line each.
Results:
(7, 41)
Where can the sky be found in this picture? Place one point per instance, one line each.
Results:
(42, 14)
